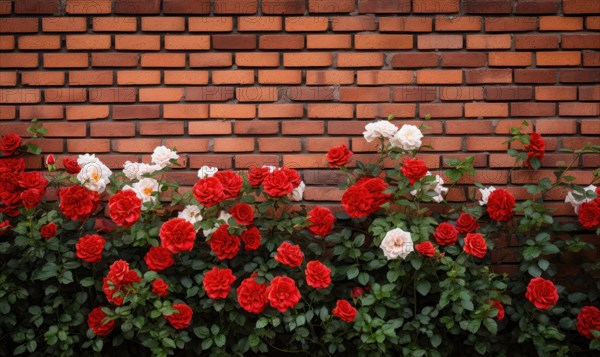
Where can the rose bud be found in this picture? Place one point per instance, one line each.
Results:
(50, 162)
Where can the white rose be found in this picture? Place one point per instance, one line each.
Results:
(207, 171)
(576, 202)
(408, 138)
(162, 155)
(485, 194)
(191, 214)
(379, 129)
(436, 185)
(144, 189)
(224, 216)
(397, 243)
(298, 192)
(131, 169)
(145, 169)
(94, 176)
(83, 160)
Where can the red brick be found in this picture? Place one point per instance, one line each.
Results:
(581, 7)
(259, 23)
(461, 93)
(235, 7)
(234, 145)
(328, 41)
(209, 128)
(324, 144)
(187, 42)
(462, 59)
(253, 127)
(302, 127)
(329, 77)
(186, 7)
(457, 23)
(162, 128)
(299, 161)
(280, 76)
(7, 43)
(365, 42)
(486, 110)
(579, 109)
(591, 59)
(210, 24)
(114, 24)
(88, 7)
(468, 126)
(384, 77)
(414, 94)
(488, 41)
(19, 24)
(160, 94)
(361, 59)
(383, 110)
(383, 6)
(234, 42)
(184, 77)
(233, 77)
(330, 6)
(41, 78)
(435, 76)
(257, 94)
(558, 58)
(88, 145)
(209, 94)
(590, 126)
(136, 111)
(69, 130)
(9, 79)
(187, 145)
(8, 112)
(236, 111)
(579, 75)
(306, 24)
(477, 76)
(280, 110)
(19, 60)
(347, 127)
(137, 42)
(414, 60)
(137, 6)
(532, 109)
(112, 129)
(312, 59)
(443, 143)
(135, 145)
(138, 77)
(163, 24)
(185, 111)
(5, 7)
(509, 59)
(379, 94)
(535, 75)
(589, 93)
(114, 59)
(281, 42)
(354, 23)
(487, 6)
(283, 7)
(39, 42)
(63, 95)
(433, 42)
(444, 110)
(210, 60)
(171, 60)
(36, 7)
(309, 93)
(86, 112)
(508, 93)
(480, 143)
(331, 111)
(553, 93)
(580, 41)
(41, 112)
(531, 42)
(116, 95)
(257, 59)
(510, 24)
(90, 78)
(537, 6)
(279, 145)
(561, 23)
(439, 6)
(220, 161)
(592, 23)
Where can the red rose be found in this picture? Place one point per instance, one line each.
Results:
(588, 319)
(243, 213)
(71, 165)
(125, 208)
(160, 288)
(209, 191)
(252, 296)
(277, 184)
(542, 293)
(338, 156)
(10, 143)
(180, 319)
(78, 203)
(5, 227)
(50, 160)
(344, 310)
(251, 238)
(535, 148)
(49, 230)
(318, 275)
(177, 235)
(98, 322)
(589, 214)
(365, 197)
(159, 258)
(446, 234)
(475, 245)
(426, 249)
(321, 221)
(289, 254)
(293, 176)
(12, 166)
(232, 183)
(283, 293)
(357, 291)
(466, 223)
(35, 180)
(500, 205)
(256, 175)
(90, 247)
(117, 283)
(414, 170)
(31, 198)
(217, 283)
(223, 244)
(498, 306)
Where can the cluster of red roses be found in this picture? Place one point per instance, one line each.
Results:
(19, 188)
(365, 197)
(588, 213)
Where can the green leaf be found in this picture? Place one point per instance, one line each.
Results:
(262, 322)
(363, 278)
(220, 340)
(89, 281)
(543, 264)
(352, 272)
(435, 340)
(423, 287)
(491, 326)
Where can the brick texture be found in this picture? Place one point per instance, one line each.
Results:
(238, 83)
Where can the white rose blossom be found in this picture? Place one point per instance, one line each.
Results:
(145, 189)
(162, 156)
(146, 169)
(94, 175)
(224, 216)
(408, 138)
(298, 193)
(379, 129)
(397, 244)
(85, 159)
(131, 169)
(436, 185)
(576, 202)
(485, 194)
(191, 214)
(207, 171)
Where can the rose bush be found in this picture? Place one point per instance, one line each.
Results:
(127, 262)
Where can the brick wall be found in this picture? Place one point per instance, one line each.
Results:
(235, 83)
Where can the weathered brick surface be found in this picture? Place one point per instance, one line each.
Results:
(237, 83)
